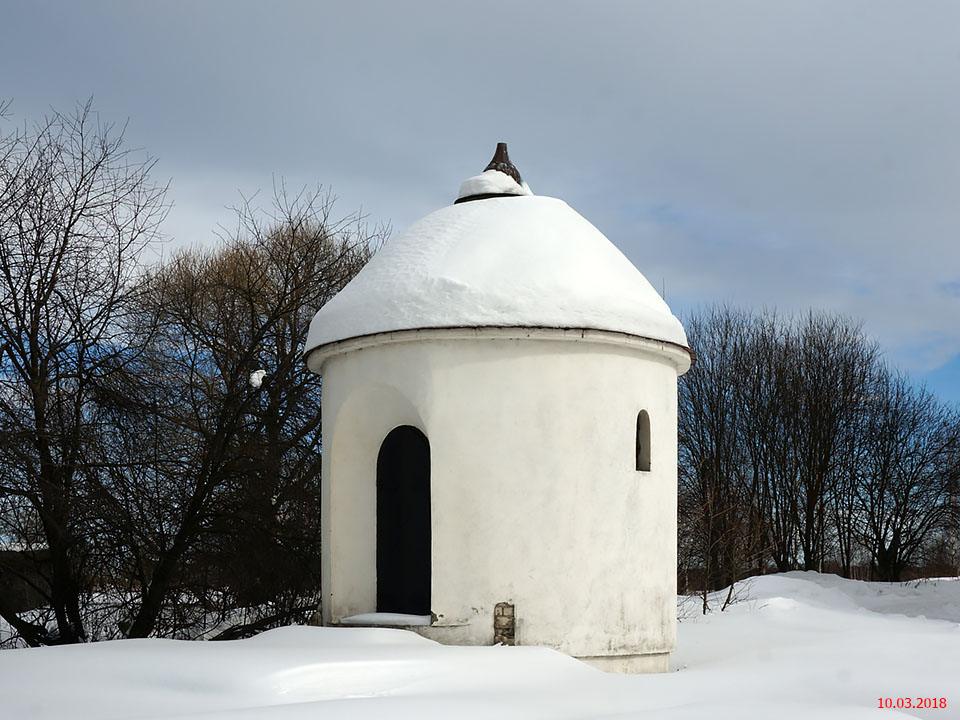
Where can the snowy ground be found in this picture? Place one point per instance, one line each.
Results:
(801, 645)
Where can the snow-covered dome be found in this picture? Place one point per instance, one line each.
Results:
(499, 257)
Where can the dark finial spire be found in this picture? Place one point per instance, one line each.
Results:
(501, 162)
(484, 186)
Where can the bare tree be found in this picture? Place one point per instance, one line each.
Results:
(909, 475)
(764, 433)
(830, 365)
(77, 209)
(712, 482)
(800, 448)
(160, 439)
(767, 419)
(228, 506)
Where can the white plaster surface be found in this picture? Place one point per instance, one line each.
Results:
(535, 496)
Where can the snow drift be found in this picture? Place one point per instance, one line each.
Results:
(800, 645)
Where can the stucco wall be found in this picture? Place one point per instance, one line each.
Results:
(535, 497)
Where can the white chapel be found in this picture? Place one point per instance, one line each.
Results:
(500, 434)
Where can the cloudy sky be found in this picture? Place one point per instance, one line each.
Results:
(789, 154)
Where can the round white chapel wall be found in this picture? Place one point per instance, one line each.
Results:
(536, 499)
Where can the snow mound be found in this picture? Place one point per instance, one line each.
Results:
(333, 638)
(528, 261)
(385, 618)
(933, 599)
(798, 645)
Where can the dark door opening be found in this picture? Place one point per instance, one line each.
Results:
(403, 522)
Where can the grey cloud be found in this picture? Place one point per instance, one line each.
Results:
(951, 288)
(800, 153)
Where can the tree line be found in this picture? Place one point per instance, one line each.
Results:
(801, 448)
(159, 433)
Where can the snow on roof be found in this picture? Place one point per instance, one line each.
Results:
(520, 261)
(491, 182)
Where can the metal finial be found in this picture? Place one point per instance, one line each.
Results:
(501, 162)
(483, 187)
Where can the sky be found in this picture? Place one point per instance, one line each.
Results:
(788, 155)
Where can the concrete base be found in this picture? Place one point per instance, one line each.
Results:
(633, 664)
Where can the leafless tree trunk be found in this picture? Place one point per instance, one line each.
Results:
(77, 210)
(713, 487)
(910, 470)
(826, 384)
(240, 490)
(765, 418)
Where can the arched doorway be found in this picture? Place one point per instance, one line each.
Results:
(403, 522)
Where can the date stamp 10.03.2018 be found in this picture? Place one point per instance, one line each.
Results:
(912, 702)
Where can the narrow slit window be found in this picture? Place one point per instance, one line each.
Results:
(643, 442)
